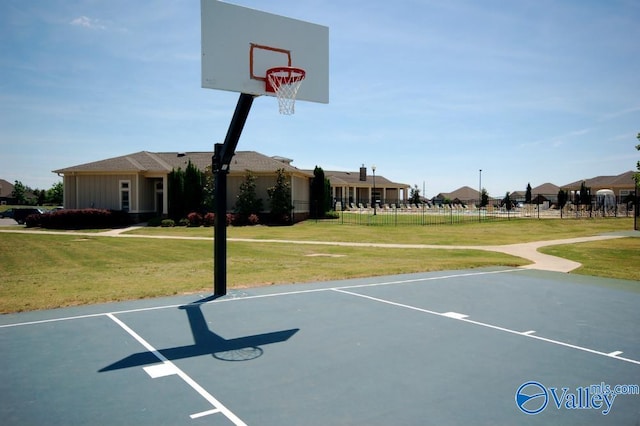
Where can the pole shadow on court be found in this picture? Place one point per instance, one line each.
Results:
(206, 342)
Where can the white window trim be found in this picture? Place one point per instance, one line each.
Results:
(121, 190)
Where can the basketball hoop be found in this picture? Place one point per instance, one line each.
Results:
(284, 82)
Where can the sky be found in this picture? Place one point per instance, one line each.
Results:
(429, 91)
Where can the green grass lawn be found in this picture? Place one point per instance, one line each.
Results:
(49, 271)
(487, 233)
(618, 258)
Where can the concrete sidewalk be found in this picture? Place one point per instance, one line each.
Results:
(527, 251)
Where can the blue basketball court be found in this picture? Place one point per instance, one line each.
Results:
(436, 348)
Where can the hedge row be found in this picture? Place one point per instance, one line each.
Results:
(79, 219)
(101, 219)
(196, 219)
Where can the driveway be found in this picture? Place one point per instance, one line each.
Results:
(7, 222)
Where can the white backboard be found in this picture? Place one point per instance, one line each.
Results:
(239, 44)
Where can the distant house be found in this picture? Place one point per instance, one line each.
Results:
(539, 194)
(136, 182)
(622, 185)
(463, 195)
(363, 188)
(6, 192)
(547, 190)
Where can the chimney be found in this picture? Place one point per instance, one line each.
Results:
(363, 173)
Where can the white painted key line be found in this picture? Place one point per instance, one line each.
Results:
(167, 367)
(462, 317)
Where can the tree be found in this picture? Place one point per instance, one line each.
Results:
(19, 192)
(55, 194)
(414, 195)
(328, 199)
(585, 194)
(318, 193)
(41, 196)
(247, 201)
(280, 198)
(175, 181)
(193, 189)
(186, 194)
(508, 204)
(563, 197)
(484, 198)
(527, 195)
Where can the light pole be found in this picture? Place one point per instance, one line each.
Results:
(480, 195)
(374, 189)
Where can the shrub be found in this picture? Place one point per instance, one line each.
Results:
(167, 223)
(209, 219)
(154, 221)
(80, 219)
(183, 222)
(331, 215)
(253, 219)
(194, 219)
(33, 220)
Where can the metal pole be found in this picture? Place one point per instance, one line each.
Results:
(220, 233)
(480, 197)
(375, 201)
(636, 209)
(220, 163)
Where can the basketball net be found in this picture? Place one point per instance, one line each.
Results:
(285, 82)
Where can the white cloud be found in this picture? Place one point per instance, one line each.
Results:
(86, 22)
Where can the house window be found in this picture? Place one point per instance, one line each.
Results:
(159, 198)
(125, 186)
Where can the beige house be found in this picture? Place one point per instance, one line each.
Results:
(539, 194)
(463, 195)
(136, 182)
(6, 193)
(622, 185)
(353, 188)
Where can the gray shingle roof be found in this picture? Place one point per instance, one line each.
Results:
(623, 179)
(353, 178)
(6, 188)
(463, 193)
(164, 162)
(545, 188)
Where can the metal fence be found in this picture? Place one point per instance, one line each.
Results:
(425, 215)
(430, 214)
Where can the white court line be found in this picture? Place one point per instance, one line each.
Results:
(206, 395)
(204, 413)
(262, 296)
(494, 327)
(160, 370)
(455, 315)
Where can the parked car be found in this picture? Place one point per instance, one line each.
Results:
(7, 214)
(20, 215)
